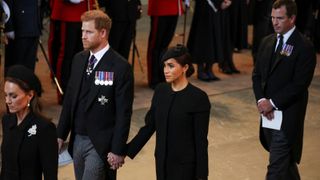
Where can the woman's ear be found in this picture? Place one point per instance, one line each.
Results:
(30, 95)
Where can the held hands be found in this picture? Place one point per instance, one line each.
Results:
(115, 161)
(265, 108)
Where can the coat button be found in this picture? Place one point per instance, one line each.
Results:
(22, 11)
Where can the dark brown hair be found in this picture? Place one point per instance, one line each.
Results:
(290, 6)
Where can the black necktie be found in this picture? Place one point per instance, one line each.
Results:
(91, 63)
(280, 44)
(277, 52)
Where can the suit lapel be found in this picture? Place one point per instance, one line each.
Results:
(105, 64)
(79, 69)
(279, 57)
(269, 54)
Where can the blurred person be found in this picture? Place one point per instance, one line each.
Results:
(23, 31)
(282, 74)
(239, 24)
(164, 17)
(29, 147)
(262, 25)
(98, 103)
(179, 114)
(124, 15)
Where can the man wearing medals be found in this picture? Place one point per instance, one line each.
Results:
(97, 106)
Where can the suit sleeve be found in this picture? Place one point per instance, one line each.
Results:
(48, 148)
(124, 100)
(256, 74)
(201, 124)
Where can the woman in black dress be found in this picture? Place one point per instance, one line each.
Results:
(29, 145)
(179, 115)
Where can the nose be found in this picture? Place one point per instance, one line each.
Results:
(8, 101)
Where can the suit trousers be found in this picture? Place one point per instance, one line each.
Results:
(88, 165)
(281, 165)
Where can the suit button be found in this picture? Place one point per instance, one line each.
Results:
(22, 11)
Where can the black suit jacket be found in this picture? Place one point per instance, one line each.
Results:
(25, 18)
(109, 123)
(286, 83)
(25, 155)
(187, 140)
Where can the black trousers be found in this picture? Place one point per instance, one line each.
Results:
(161, 34)
(121, 35)
(281, 164)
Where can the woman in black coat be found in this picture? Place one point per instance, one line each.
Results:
(179, 115)
(29, 145)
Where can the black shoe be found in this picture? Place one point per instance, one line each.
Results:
(203, 76)
(212, 77)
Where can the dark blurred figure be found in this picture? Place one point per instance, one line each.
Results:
(239, 24)
(304, 20)
(124, 15)
(23, 31)
(226, 63)
(262, 25)
(164, 18)
(316, 30)
(204, 42)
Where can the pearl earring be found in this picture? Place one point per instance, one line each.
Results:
(28, 105)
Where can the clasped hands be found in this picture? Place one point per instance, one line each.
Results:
(115, 161)
(265, 108)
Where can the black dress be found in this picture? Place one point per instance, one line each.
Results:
(181, 121)
(29, 150)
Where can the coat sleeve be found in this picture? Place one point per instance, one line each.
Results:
(48, 148)
(144, 134)
(201, 124)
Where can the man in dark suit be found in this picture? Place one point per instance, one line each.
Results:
(124, 15)
(281, 77)
(23, 31)
(98, 105)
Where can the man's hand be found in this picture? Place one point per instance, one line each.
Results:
(265, 106)
(115, 161)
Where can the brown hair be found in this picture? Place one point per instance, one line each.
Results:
(290, 6)
(183, 60)
(101, 19)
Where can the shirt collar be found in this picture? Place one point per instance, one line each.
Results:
(98, 55)
(287, 35)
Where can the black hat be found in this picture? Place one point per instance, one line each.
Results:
(26, 75)
(174, 52)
